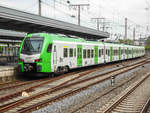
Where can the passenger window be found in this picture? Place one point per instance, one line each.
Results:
(88, 53)
(70, 52)
(74, 52)
(65, 52)
(49, 49)
(92, 53)
(99, 53)
(84, 53)
(54, 48)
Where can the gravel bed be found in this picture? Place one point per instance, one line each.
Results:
(74, 102)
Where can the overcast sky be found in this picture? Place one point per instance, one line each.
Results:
(115, 10)
(132, 9)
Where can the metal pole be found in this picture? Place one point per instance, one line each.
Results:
(103, 24)
(133, 35)
(39, 7)
(98, 24)
(125, 37)
(78, 6)
(78, 14)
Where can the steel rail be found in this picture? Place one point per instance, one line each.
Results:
(146, 106)
(60, 96)
(58, 88)
(120, 99)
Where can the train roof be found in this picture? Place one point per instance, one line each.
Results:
(61, 37)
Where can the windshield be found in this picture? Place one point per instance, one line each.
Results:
(32, 46)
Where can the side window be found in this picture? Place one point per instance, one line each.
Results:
(92, 53)
(70, 52)
(49, 49)
(65, 52)
(54, 48)
(74, 52)
(84, 53)
(78, 53)
(88, 53)
(99, 52)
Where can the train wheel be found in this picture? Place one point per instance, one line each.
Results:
(66, 69)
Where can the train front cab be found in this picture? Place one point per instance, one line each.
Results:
(35, 54)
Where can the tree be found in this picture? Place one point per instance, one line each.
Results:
(148, 41)
(130, 42)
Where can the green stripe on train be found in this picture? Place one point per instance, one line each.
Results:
(127, 52)
(132, 52)
(79, 55)
(119, 53)
(111, 53)
(96, 54)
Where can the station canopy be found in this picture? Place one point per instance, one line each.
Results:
(12, 19)
(8, 36)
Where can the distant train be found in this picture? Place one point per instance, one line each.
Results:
(51, 53)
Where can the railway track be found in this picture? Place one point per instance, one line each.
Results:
(132, 100)
(63, 90)
(10, 97)
(146, 107)
(7, 91)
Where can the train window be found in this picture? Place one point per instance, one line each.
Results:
(92, 53)
(32, 46)
(84, 53)
(65, 52)
(108, 52)
(122, 51)
(88, 53)
(99, 52)
(80, 53)
(54, 48)
(126, 51)
(74, 52)
(70, 52)
(49, 49)
(114, 53)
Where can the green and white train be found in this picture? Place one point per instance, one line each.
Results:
(51, 53)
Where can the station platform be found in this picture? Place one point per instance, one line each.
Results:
(7, 73)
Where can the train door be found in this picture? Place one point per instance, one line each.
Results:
(124, 53)
(96, 54)
(127, 53)
(132, 52)
(79, 55)
(55, 55)
(119, 53)
(111, 54)
(103, 53)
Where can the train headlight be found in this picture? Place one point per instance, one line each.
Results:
(20, 60)
(38, 60)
